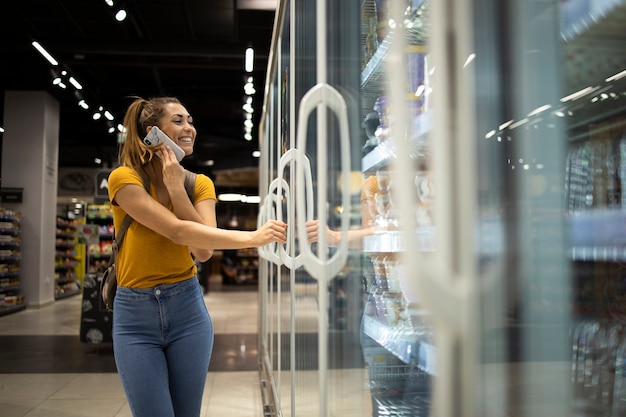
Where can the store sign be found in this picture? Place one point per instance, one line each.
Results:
(102, 184)
(11, 195)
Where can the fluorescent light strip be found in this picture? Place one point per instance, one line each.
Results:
(75, 83)
(579, 94)
(249, 65)
(45, 53)
(616, 76)
(229, 197)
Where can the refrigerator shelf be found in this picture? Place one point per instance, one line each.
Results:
(383, 154)
(387, 242)
(408, 346)
(598, 253)
(393, 241)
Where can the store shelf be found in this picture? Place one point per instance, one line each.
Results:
(240, 266)
(11, 299)
(99, 250)
(66, 262)
(12, 309)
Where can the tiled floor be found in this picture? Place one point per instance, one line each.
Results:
(45, 371)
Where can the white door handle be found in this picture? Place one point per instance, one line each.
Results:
(301, 163)
(322, 97)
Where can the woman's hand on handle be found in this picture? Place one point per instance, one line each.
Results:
(273, 231)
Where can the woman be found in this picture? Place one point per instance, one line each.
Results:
(162, 332)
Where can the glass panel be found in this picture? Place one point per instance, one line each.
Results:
(594, 113)
(534, 223)
(396, 337)
(549, 137)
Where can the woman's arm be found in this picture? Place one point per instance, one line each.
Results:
(202, 212)
(206, 211)
(135, 201)
(333, 237)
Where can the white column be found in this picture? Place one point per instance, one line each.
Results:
(30, 151)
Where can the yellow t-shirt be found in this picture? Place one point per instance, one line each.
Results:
(369, 188)
(147, 259)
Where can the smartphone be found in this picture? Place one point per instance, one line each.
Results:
(156, 137)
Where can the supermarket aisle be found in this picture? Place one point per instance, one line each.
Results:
(46, 371)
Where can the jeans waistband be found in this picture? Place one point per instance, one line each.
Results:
(164, 289)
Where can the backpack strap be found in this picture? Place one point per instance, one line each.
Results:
(190, 184)
(119, 236)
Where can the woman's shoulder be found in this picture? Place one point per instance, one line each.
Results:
(204, 187)
(124, 174)
(122, 170)
(204, 179)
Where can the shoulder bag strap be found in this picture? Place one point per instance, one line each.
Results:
(119, 236)
(190, 185)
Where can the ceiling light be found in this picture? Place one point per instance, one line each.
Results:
(469, 60)
(248, 88)
(108, 115)
(539, 110)
(83, 104)
(75, 83)
(1, 130)
(247, 137)
(253, 199)
(97, 161)
(249, 65)
(256, 154)
(229, 197)
(505, 125)
(120, 15)
(45, 53)
(109, 3)
(616, 76)
(579, 94)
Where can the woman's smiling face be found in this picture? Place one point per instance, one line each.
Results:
(177, 123)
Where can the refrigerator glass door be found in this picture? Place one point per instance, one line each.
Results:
(451, 175)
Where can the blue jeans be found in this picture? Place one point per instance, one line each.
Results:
(162, 340)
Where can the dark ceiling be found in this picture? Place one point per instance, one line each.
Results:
(191, 49)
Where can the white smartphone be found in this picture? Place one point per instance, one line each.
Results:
(156, 137)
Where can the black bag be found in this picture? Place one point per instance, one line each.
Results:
(108, 285)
